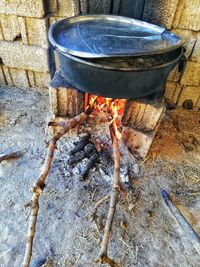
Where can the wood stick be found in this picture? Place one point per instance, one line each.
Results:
(116, 188)
(12, 153)
(89, 148)
(80, 144)
(40, 183)
(103, 257)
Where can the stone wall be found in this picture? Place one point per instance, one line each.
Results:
(25, 57)
(26, 60)
(183, 18)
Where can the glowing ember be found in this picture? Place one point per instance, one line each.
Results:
(114, 107)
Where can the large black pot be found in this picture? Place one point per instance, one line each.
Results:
(111, 78)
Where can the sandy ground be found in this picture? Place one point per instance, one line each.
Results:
(147, 235)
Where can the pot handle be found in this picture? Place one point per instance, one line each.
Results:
(182, 62)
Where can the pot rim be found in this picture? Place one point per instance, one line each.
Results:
(106, 67)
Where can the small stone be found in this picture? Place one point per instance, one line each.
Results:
(136, 169)
(76, 171)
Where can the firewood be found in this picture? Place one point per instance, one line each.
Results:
(89, 165)
(80, 144)
(103, 257)
(116, 188)
(81, 154)
(12, 153)
(38, 187)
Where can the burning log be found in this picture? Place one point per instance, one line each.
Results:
(38, 187)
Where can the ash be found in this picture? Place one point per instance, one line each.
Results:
(145, 235)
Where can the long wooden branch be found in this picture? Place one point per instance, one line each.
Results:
(40, 183)
(117, 187)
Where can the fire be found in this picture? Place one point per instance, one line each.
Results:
(114, 107)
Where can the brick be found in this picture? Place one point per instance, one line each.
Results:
(189, 93)
(142, 115)
(52, 6)
(17, 55)
(10, 27)
(1, 32)
(19, 77)
(160, 12)
(191, 74)
(174, 75)
(29, 8)
(198, 103)
(172, 91)
(39, 79)
(2, 75)
(65, 8)
(7, 74)
(196, 52)
(53, 99)
(187, 15)
(34, 31)
(16, 77)
(42, 80)
(23, 30)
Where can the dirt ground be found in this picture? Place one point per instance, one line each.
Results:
(147, 235)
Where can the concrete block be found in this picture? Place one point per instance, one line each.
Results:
(196, 52)
(29, 8)
(19, 77)
(9, 27)
(174, 75)
(191, 74)
(187, 15)
(1, 32)
(39, 79)
(34, 31)
(52, 6)
(42, 79)
(189, 37)
(16, 77)
(160, 12)
(7, 75)
(172, 91)
(189, 93)
(67, 8)
(2, 75)
(17, 55)
(23, 29)
(53, 99)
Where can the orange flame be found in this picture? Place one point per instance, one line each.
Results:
(113, 106)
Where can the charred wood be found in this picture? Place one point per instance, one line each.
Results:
(89, 148)
(80, 144)
(94, 158)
